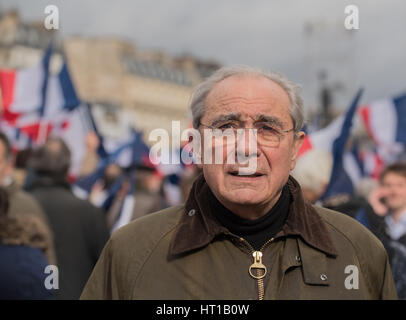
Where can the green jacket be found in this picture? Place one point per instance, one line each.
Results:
(184, 253)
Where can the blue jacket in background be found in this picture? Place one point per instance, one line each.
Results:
(22, 273)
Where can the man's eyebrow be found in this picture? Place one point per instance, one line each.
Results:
(235, 116)
(226, 117)
(269, 119)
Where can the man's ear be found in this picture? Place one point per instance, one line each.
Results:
(297, 145)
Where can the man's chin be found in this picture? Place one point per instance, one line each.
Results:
(395, 206)
(245, 197)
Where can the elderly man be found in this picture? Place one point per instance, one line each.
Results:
(245, 235)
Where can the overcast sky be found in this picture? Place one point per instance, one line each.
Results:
(264, 33)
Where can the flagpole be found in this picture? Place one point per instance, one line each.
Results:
(43, 125)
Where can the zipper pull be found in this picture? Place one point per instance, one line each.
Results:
(257, 265)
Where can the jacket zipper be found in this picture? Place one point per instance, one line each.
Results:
(258, 266)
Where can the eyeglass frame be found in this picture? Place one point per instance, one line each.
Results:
(281, 133)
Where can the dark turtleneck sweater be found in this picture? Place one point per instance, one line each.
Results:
(257, 232)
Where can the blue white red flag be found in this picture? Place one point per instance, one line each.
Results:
(385, 122)
(23, 91)
(333, 138)
(346, 172)
(37, 104)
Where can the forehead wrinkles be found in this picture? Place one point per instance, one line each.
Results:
(221, 102)
(226, 101)
(249, 96)
(247, 91)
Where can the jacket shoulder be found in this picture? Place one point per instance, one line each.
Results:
(135, 242)
(23, 202)
(149, 227)
(349, 229)
(126, 252)
(368, 249)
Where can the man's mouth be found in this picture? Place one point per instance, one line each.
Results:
(244, 175)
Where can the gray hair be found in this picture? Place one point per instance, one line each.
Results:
(198, 100)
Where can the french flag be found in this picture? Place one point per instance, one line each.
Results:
(371, 162)
(23, 91)
(38, 105)
(73, 128)
(333, 138)
(59, 102)
(385, 120)
(64, 116)
(346, 172)
(19, 140)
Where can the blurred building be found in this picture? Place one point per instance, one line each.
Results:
(121, 81)
(22, 44)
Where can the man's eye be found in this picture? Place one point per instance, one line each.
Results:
(268, 129)
(226, 126)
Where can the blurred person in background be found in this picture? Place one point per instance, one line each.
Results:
(20, 166)
(385, 216)
(20, 202)
(24, 255)
(148, 194)
(79, 228)
(91, 157)
(347, 203)
(313, 171)
(148, 191)
(100, 190)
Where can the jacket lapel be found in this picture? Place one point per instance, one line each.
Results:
(198, 226)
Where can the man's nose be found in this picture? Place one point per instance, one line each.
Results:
(247, 143)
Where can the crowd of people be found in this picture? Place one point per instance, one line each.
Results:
(42, 221)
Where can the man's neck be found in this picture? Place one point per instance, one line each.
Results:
(398, 214)
(254, 211)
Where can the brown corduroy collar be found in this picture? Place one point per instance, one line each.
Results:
(198, 227)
